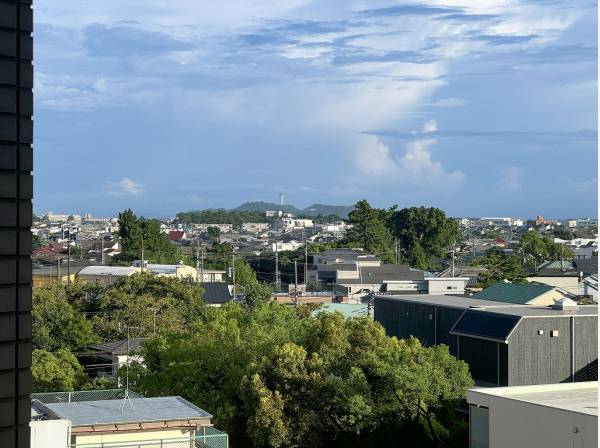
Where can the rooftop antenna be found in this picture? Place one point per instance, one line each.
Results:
(126, 398)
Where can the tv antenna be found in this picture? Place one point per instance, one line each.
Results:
(126, 398)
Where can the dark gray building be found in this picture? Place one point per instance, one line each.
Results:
(16, 135)
(504, 345)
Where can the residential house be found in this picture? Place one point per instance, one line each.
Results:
(216, 293)
(106, 275)
(119, 423)
(504, 343)
(544, 416)
(518, 294)
(105, 360)
(211, 275)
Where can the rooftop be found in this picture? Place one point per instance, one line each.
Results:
(513, 293)
(108, 270)
(576, 397)
(347, 309)
(119, 347)
(466, 302)
(140, 410)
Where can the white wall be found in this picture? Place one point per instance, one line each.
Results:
(515, 424)
(50, 433)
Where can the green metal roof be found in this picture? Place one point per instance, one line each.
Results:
(347, 309)
(513, 293)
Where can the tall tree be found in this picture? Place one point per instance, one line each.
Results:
(56, 371)
(56, 320)
(135, 231)
(369, 231)
(275, 376)
(499, 267)
(422, 233)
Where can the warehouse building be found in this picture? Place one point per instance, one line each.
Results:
(547, 416)
(504, 344)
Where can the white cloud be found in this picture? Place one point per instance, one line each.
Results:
(449, 102)
(511, 179)
(125, 187)
(415, 167)
(430, 126)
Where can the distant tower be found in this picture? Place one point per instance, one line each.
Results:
(281, 199)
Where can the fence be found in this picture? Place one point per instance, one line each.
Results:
(82, 395)
(210, 438)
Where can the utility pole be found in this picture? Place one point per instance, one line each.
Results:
(562, 268)
(69, 261)
(276, 266)
(58, 267)
(233, 268)
(396, 249)
(453, 262)
(142, 253)
(202, 266)
(197, 260)
(296, 281)
(102, 247)
(305, 262)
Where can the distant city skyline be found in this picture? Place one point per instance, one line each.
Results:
(488, 109)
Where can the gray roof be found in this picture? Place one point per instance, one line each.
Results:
(380, 274)
(587, 265)
(466, 302)
(216, 292)
(140, 410)
(119, 347)
(513, 293)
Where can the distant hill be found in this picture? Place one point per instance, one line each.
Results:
(312, 210)
(260, 206)
(325, 210)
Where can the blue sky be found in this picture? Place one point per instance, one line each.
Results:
(480, 108)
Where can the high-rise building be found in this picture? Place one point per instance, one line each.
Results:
(16, 185)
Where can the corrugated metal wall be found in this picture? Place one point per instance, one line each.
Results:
(535, 358)
(586, 348)
(482, 357)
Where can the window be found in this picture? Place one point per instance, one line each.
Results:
(479, 427)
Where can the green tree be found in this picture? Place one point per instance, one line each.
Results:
(500, 267)
(256, 294)
(275, 376)
(214, 233)
(56, 320)
(536, 249)
(56, 371)
(157, 246)
(148, 304)
(36, 242)
(369, 231)
(422, 233)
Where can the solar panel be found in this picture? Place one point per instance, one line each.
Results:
(485, 325)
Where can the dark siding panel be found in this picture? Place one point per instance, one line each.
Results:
(540, 359)
(503, 364)
(586, 348)
(447, 317)
(482, 357)
(16, 78)
(404, 319)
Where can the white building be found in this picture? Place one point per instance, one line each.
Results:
(255, 227)
(502, 222)
(280, 246)
(295, 223)
(541, 416)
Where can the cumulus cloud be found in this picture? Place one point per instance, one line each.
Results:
(430, 126)
(510, 179)
(415, 167)
(125, 187)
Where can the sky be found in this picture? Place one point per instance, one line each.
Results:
(485, 108)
